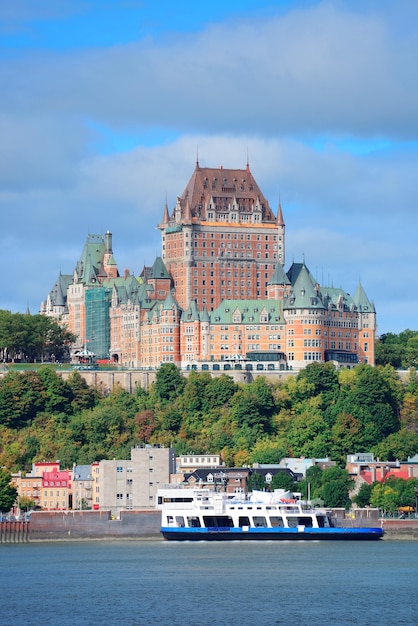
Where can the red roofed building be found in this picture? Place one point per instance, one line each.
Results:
(56, 492)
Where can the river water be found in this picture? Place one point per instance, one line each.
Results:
(133, 583)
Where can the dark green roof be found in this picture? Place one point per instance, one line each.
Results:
(159, 269)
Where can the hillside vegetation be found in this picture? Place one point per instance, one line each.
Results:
(320, 412)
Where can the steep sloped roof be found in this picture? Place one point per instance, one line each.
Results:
(58, 293)
(191, 314)
(159, 269)
(361, 301)
(305, 293)
(170, 302)
(90, 265)
(223, 186)
(279, 276)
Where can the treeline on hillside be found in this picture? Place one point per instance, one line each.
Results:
(400, 351)
(322, 412)
(32, 338)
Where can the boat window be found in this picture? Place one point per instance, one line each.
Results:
(180, 520)
(193, 522)
(243, 521)
(259, 521)
(216, 521)
(292, 522)
(276, 522)
(305, 521)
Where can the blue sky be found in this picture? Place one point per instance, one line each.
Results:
(105, 104)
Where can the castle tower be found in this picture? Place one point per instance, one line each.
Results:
(222, 239)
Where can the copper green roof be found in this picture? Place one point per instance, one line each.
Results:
(170, 303)
(279, 276)
(90, 264)
(305, 293)
(362, 302)
(191, 314)
(247, 312)
(159, 269)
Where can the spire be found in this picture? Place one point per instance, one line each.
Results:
(187, 218)
(166, 217)
(280, 220)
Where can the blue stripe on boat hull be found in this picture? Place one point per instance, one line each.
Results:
(257, 534)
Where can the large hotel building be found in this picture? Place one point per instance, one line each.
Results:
(218, 292)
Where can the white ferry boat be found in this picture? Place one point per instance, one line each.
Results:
(202, 514)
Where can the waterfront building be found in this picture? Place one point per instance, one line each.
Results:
(218, 292)
(56, 490)
(187, 463)
(133, 483)
(28, 486)
(82, 487)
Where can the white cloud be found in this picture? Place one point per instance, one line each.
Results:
(332, 74)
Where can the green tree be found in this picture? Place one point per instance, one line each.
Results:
(335, 486)
(372, 397)
(283, 480)
(322, 378)
(22, 396)
(256, 482)
(27, 504)
(397, 446)
(362, 498)
(268, 451)
(83, 396)
(169, 383)
(335, 494)
(58, 393)
(385, 498)
(8, 493)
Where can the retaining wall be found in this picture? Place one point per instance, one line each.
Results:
(51, 525)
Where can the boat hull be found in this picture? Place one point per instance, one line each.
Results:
(272, 534)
